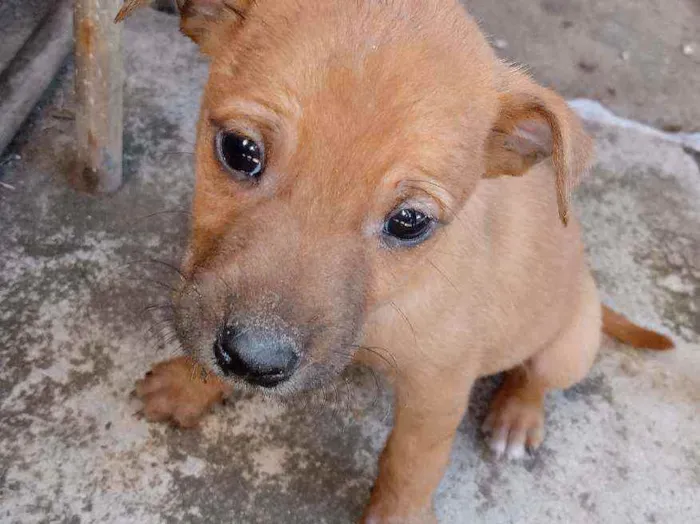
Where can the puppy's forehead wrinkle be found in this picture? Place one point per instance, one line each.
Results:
(269, 113)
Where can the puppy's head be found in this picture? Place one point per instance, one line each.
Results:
(337, 141)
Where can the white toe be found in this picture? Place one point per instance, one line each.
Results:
(498, 442)
(516, 451)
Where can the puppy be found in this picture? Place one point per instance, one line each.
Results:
(370, 175)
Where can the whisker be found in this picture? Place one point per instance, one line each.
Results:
(377, 385)
(158, 213)
(377, 388)
(160, 284)
(443, 274)
(376, 351)
(170, 338)
(159, 328)
(167, 265)
(159, 307)
(410, 325)
(456, 255)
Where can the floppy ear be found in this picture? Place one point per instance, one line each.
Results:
(199, 19)
(534, 123)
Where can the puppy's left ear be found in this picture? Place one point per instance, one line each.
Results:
(534, 123)
(199, 19)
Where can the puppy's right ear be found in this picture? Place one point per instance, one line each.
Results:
(199, 19)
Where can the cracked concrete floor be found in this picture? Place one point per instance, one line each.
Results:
(623, 446)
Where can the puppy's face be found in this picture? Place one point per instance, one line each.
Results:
(336, 143)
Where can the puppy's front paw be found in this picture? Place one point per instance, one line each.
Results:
(175, 390)
(514, 425)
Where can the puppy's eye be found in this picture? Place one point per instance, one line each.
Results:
(409, 226)
(240, 155)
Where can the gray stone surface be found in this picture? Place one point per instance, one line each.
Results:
(626, 53)
(623, 446)
(33, 68)
(19, 19)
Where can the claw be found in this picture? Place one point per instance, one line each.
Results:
(516, 452)
(498, 444)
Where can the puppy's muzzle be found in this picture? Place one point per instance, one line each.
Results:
(260, 356)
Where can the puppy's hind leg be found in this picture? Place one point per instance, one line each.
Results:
(516, 418)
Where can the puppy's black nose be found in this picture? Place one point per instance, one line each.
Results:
(259, 357)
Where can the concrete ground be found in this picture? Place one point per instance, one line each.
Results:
(19, 19)
(641, 59)
(75, 280)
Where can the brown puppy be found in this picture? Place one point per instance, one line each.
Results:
(369, 174)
